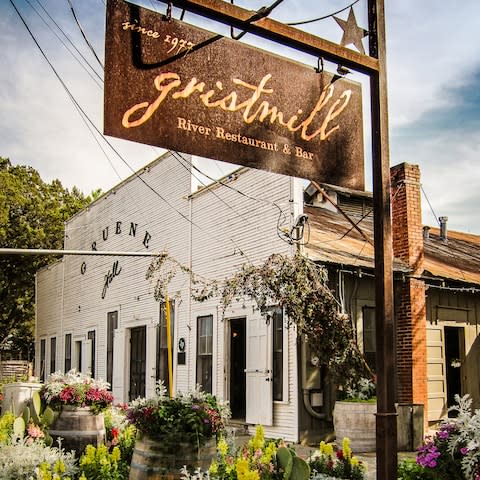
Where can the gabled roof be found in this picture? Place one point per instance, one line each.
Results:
(457, 258)
(334, 240)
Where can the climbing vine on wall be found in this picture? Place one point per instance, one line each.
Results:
(297, 285)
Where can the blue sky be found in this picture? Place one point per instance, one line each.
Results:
(433, 78)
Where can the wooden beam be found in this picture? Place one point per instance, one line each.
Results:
(246, 20)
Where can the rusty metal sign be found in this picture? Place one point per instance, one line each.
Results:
(176, 86)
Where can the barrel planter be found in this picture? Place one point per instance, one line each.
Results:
(357, 421)
(154, 460)
(78, 427)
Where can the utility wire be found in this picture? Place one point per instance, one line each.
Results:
(303, 22)
(82, 113)
(137, 175)
(282, 219)
(71, 43)
(83, 34)
(430, 205)
(259, 14)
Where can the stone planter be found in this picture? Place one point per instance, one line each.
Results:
(78, 427)
(153, 460)
(357, 421)
(17, 395)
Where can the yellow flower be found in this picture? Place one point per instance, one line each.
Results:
(59, 467)
(258, 441)
(347, 451)
(326, 449)
(241, 467)
(213, 469)
(222, 447)
(354, 461)
(270, 451)
(252, 475)
(115, 456)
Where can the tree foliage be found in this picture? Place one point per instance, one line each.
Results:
(32, 215)
(297, 285)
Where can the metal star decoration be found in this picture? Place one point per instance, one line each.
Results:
(352, 33)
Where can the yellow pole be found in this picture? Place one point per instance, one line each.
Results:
(169, 347)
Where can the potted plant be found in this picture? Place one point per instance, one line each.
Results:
(354, 414)
(79, 401)
(173, 432)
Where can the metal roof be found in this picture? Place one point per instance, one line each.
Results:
(334, 240)
(457, 258)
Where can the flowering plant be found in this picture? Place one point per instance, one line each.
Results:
(361, 390)
(192, 418)
(254, 461)
(328, 463)
(454, 451)
(76, 389)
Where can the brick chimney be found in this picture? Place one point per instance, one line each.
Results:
(410, 300)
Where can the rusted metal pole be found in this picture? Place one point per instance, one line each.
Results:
(384, 318)
(374, 66)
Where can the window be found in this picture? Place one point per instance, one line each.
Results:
(204, 352)
(53, 354)
(277, 315)
(68, 352)
(112, 325)
(43, 348)
(78, 355)
(91, 337)
(162, 344)
(369, 337)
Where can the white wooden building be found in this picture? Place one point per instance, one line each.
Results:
(98, 313)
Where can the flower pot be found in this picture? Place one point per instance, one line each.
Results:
(17, 395)
(357, 421)
(153, 460)
(78, 427)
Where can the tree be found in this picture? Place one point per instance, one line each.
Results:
(32, 215)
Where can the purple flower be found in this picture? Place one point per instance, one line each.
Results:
(195, 407)
(464, 450)
(442, 434)
(427, 455)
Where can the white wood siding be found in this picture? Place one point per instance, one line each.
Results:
(215, 231)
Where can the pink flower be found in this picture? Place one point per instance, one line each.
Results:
(34, 431)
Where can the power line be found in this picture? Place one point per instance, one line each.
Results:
(82, 113)
(430, 205)
(84, 35)
(303, 22)
(68, 39)
(79, 108)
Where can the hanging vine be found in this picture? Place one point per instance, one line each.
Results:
(297, 285)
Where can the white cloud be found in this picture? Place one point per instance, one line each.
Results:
(431, 52)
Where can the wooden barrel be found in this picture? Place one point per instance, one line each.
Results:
(78, 427)
(153, 460)
(356, 420)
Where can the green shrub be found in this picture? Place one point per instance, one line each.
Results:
(6, 427)
(22, 460)
(409, 469)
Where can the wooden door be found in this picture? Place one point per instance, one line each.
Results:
(137, 362)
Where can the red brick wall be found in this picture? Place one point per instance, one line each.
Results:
(410, 313)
